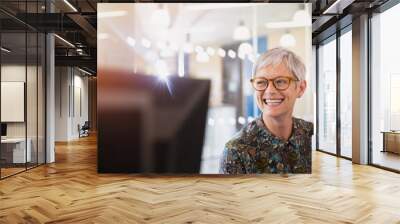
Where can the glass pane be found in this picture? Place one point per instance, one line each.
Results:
(31, 97)
(31, 87)
(41, 98)
(327, 97)
(346, 94)
(13, 86)
(386, 89)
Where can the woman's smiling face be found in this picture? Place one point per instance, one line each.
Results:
(276, 103)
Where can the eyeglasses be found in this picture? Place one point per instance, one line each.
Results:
(280, 83)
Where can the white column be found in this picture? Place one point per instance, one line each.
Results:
(50, 99)
(360, 90)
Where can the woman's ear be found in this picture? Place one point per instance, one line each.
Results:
(302, 88)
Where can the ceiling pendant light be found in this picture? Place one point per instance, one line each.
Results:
(302, 17)
(241, 32)
(232, 54)
(287, 40)
(221, 52)
(210, 51)
(188, 46)
(146, 43)
(131, 41)
(202, 57)
(161, 17)
(244, 49)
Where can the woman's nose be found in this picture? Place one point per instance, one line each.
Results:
(271, 88)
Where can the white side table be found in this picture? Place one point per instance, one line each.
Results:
(19, 153)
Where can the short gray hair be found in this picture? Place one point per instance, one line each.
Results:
(277, 55)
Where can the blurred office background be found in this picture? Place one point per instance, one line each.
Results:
(219, 42)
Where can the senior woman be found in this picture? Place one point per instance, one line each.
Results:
(275, 142)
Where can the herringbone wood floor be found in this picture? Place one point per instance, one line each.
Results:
(71, 191)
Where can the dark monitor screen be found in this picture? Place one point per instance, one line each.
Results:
(3, 129)
(150, 125)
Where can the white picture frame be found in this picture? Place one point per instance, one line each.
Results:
(12, 101)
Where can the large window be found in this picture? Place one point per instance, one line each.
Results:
(22, 92)
(385, 84)
(346, 93)
(327, 96)
(335, 94)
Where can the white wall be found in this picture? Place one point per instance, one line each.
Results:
(70, 88)
(211, 70)
(12, 73)
(61, 103)
(80, 100)
(33, 126)
(304, 107)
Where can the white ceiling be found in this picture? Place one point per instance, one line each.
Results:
(211, 23)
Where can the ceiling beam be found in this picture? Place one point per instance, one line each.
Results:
(84, 61)
(337, 7)
(85, 25)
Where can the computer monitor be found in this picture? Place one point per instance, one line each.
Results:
(3, 129)
(147, 124)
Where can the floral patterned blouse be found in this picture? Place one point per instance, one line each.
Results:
(254, 149)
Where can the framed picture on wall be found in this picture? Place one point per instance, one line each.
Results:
(12, 101)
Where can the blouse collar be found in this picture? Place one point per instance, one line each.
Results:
(268, 136)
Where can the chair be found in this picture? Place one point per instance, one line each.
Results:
(84, 130)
